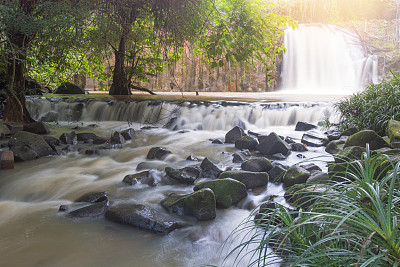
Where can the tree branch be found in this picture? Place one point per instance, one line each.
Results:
(143, 89)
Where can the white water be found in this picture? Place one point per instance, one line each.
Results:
(325, 59)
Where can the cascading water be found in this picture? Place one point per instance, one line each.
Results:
(326, 59)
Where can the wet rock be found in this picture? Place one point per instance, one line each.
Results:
(69, 138)
(298, 147)
(158, 153)
(154, 165)
(192, 158)
(92, 197)
(246, 142)
(289, 140)
(63, 208)
(334, 135)
(314, 139)
(69, 88)
(295, 175)
(239, 157)
(279, 156)
(350, 131)
(209, 168)
(14, 127)
(366, 137)
(128, 134)
(318, 178)
(234, 134)
(33, 141)
(303, 195)
(142, 217)
(249, 179)
(350, 153)
(95, 210)
(311, 167)
(334, 147)
(276, 174)
(227, 192)
(340, 172)
(200, 204)
(217, 142)
(52, 141)
(6, 160)
(150, 177)
(257, 165)
(86, 137)
(99, 141)
(304, 126)
(264, 213)
(117, 139)
(185, 175)
(50, 116)
(37, 128)
(273, 144)
(23, 153)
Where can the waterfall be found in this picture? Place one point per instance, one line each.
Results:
(175, 115)
(326, 59)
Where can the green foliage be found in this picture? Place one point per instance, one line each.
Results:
(373, 107)
(352, 222)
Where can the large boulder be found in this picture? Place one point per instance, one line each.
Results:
(304, 126)
(158, 153)
(246, 142)
(37, 128)
(67, 88)
(234, 134)
(257, 165)
(33, 141)
(249, 179)
(23, 153)
(273, 144)
(209, 168)
(200, 204)
(350, 131)
(142, 217)
(393, 131)
(6, 159)
(227, 192)
(366, 137)
(295, 175)
(185, 175)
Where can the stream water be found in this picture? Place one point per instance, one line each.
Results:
(34, 233)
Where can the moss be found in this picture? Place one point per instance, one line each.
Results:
(394, 133)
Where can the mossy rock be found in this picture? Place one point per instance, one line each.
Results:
(257, 165)
(350, 153)
(393, 131)
(304, 195)
(200, 204)
(227, 192)
(365, 137)
(334, 147)
(340, 172)
(249, 179)
(295, 175)
(350, 131)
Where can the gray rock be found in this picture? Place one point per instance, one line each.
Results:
(276, 174)
(209, 168)
(33, 141)
(185, 175)
(334, 147)
(311, 167)
(257, 165)
(69, 138)
(217, 142)
(97, 209)
(155, 165)
(350, 131)
(200, 204)
(142, 217)
(128, 134)
(23, 153)
(273, 144)
(239, 157)
(84, 137)
(246, 142)
(150, 177)
(298, 147)
(158, 153)
(295, 175)
(227, 192)
(117, 139)
(37, 128)
(264, 213)
(318, 178)
(314, 139)
(304, 126)
(350, 153)
(249, 179)
(366, 137)
(234, 134)
(69, 88)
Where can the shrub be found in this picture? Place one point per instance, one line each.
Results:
(373, 107)
(354, 222)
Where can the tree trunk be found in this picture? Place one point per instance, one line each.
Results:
(15, 110)
(120, 83)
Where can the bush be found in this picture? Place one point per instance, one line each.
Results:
(372, 108)
(352, 223)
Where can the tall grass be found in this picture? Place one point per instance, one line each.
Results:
(373, 107)
(350, 223)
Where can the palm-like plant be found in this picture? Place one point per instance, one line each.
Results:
(354, 222)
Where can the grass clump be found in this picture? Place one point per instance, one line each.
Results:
(354, 222)
(373, 107)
